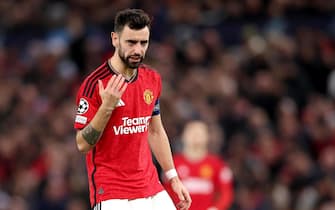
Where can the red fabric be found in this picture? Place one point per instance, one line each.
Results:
(209, 182)
(121, 163)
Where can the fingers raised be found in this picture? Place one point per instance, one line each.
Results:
(117, 83)
(120, 83)
(124, 87)
(111, 81)
(101, 86)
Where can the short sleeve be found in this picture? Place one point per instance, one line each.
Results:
(86, 108)
(156, 110)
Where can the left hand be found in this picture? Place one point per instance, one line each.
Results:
(183, 194)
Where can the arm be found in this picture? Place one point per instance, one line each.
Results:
(159, 143)
(225, 199)
(160, 147)
(90, 135)
(226, 192)
(87, 138)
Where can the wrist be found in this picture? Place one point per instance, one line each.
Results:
(170, 174)
(106, 109)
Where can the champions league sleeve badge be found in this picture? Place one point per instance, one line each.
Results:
(82, 106)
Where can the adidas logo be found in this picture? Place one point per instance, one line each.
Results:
(120, 103)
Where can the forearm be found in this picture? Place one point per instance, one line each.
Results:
(90, 135)
(160, 147)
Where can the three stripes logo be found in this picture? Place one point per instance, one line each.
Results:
(120, 103)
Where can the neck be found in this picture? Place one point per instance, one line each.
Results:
(118, 66)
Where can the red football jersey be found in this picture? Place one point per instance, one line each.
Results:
(209, 182)
(120, 166)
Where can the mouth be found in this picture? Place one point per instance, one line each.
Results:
(135, 58)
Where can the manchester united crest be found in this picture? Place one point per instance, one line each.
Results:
(148, 96)
(206, 171)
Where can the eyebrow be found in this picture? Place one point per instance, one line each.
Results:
(135, 41)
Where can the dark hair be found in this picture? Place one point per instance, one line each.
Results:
(133, 18)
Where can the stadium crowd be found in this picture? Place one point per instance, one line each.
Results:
(261, 73)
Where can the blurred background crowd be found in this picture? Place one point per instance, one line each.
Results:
(261, 73)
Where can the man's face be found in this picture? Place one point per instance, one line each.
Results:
(131, 45)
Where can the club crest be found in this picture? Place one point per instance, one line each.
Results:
(148, 96)
(206, 171)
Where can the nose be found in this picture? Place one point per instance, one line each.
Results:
(138, 49)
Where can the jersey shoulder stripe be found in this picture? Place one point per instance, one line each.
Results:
(90, 94)
(93, 78)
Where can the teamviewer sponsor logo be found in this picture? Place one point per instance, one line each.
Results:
(132, 125)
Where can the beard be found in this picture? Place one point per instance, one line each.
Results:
(130, 64)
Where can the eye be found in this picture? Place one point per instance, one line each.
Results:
(132, 42)
(143, 43)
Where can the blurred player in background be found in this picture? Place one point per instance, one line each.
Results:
(118, 121)
(208, 179)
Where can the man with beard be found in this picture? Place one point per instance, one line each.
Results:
(118, 124)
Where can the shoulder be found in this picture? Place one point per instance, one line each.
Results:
(177, 156)
(97, 73)
(216, 159)
(90, 81)
(148, 70)
(150, 77)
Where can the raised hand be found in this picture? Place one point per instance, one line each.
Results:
(113, 91)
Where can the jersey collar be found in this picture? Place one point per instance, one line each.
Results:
(113, 71)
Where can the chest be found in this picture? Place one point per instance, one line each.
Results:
(202, 170)
(136, 105)
(138, 99)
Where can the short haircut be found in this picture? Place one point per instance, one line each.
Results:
(135, 19)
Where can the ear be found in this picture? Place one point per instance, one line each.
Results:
(115, 39)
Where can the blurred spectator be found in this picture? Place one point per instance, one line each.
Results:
(208, 179)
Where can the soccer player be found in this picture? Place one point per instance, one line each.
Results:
(206, 176)
(118, 121)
